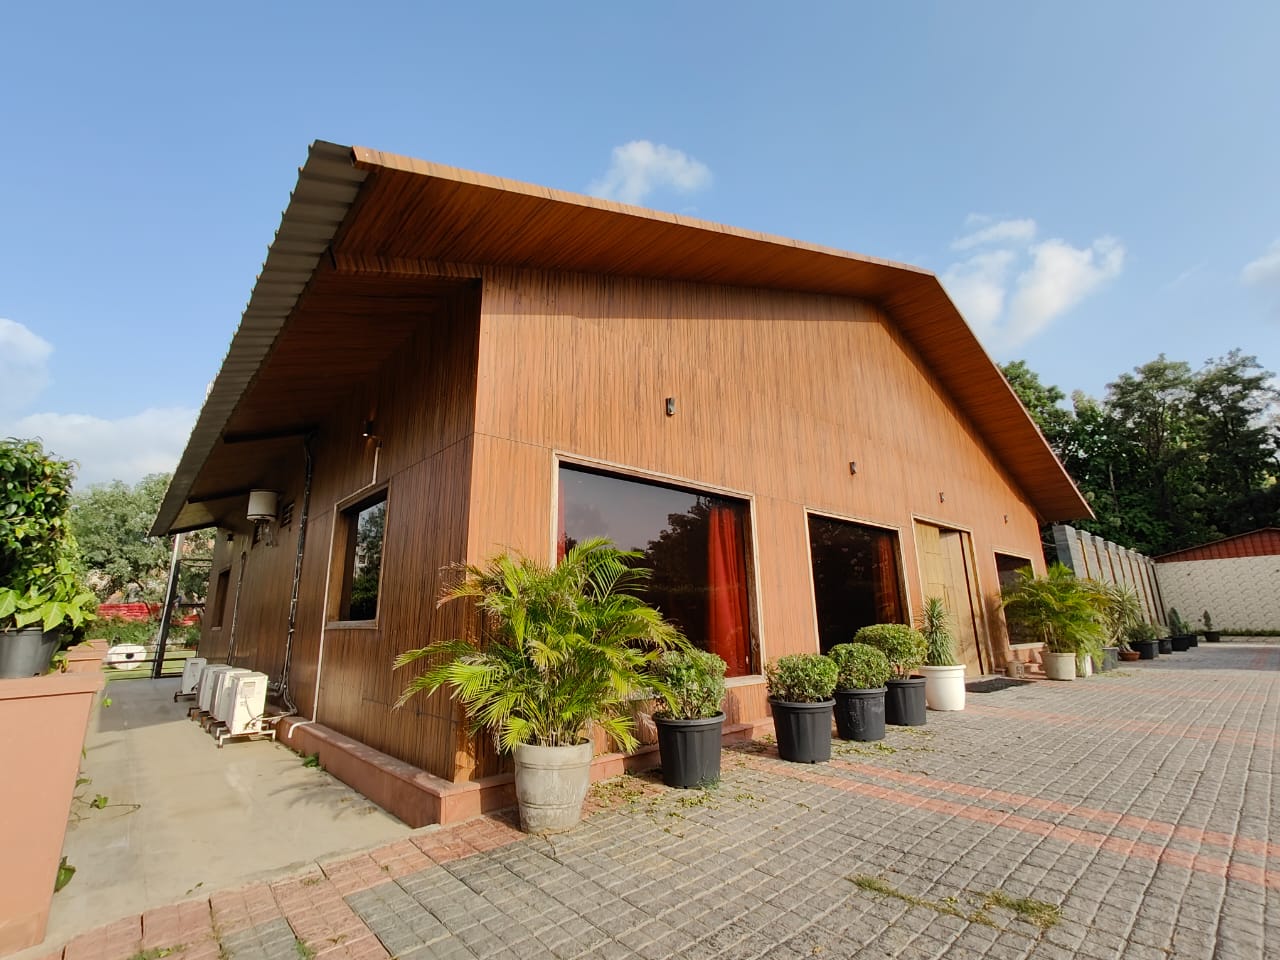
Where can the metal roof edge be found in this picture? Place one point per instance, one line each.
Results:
(327, 186)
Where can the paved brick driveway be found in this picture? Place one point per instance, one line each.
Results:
(1139, 804)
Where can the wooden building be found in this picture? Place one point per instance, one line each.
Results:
(436, 365)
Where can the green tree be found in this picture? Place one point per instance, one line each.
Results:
(1170, 457)
(1043, 401)
(111, 522)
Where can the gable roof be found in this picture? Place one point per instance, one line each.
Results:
(372, 210)
(1263, 542)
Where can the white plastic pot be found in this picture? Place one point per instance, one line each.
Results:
(551, 783)
(1060, 666)
(944, 687)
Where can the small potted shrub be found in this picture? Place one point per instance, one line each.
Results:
(905, 648)
(1210, 635)
(1177, 640)
(1120, 608)
(860, 687)
(689, 732)
(800, 687)
(1144, 639)
(943, 674)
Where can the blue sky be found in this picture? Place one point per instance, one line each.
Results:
(1095, 183)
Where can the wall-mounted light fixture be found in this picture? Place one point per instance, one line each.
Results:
(367, 429)
(671, 406)
(853, 467)
(1006, 518)
(942, 497)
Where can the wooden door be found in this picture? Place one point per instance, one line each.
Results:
(945, 572)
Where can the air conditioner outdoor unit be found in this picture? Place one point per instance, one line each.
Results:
(208, 676)
(191, 671)
(223, 687)
(248, 703)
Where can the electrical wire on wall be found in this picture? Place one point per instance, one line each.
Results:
(285, 696)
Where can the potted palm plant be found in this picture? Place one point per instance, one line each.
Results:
(561, 651)
(800, 687)
(943, 674)
(1120, 608)
(691, 728)
(905, 648)
(862, 672)
(1059, 609)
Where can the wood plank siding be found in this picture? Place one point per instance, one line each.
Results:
(775, 394)
(421, 402)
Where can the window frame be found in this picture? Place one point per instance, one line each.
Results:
(346, 514)
(756, 653)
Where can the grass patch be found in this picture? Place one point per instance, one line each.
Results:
(1043, 915)
(1037, 912)
(157, 953)
(304, 950)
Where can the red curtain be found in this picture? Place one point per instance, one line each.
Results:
(727, 631)
(888, 596)
(562, 536)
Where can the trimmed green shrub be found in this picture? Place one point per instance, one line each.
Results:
(903, 646)
(696, 681)
(801, 678)
(861, 667)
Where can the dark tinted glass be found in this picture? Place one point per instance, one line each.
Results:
(695, 544)
(855, 578)
(368, 524)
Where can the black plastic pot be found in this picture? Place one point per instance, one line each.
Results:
(1147, 649)
(1195, 639)
(803, 730)
(26, 652)
(1166, 645)
(860, 714)
(1212, 636)
(1181, 643)
(904, 704)
(690, 750)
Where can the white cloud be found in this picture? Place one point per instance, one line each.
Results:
(24, 365)
(978, 284)
(1006, 231)
(1265, 270)
(1015, 291)
(125, 449)
(1060, 276)
(640, 167)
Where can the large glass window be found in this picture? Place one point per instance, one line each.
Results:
(364, 524)
(855, 578)
(695, 543)
(1007, 567)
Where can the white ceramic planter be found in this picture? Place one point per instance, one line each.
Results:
(551, 783)
(1084, 666)
(1060, 666)
(944, 687)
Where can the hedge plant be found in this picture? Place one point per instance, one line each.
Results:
(801, 678)
(861, 666)
(695, 679)
(903, 646)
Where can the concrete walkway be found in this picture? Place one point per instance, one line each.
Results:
(1129, 815)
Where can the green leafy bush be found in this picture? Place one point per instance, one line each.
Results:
(1177, 626)
(860, 666)
(564, 648)
(39, 577)
(695, 680)
(1143, 631)
(801, 678)
(903, 646)
(935, 626)
(1207, 620)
